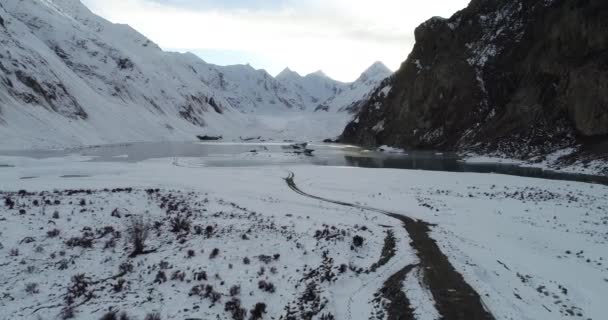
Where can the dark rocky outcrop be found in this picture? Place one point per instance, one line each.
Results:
(520, 78)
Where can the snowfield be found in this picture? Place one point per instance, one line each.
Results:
(531, 248)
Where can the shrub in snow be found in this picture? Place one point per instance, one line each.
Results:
(53, 233)
(78, 288)
(178, 275)
(138, 233)
(63, 264)
(235, 290)
(209, 231)
(215, 297)
(246, 260)
(161, 277)
(119, 285)
(258, 311)
(206, 291)
(84, 241)
(265, 259)
(200, 276)
(266, 286)
(125, 268)
(31, 288)
(234, 308)
(214, 253)
(164, 265)
(180, 224)
(152, 316)
(358, 241)
(114, 315)
(8, 202)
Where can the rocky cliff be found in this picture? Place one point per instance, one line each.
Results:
(519, 78)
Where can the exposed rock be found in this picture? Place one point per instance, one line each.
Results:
(517, 77)
(209, 138)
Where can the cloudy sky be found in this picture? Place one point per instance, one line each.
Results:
(340, 37)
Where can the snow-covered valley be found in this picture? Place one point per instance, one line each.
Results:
(71, 78)
(529, 248)
(110, 210)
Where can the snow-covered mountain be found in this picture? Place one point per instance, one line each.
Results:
(313, 89)
(70, 77)
(321, 93)
(353, 95)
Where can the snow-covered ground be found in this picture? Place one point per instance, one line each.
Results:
(51, 131)
(532, 249)
(550, 162)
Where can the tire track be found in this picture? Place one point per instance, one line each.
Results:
(454, 298)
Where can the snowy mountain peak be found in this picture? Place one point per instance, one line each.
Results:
(319, 74)
(376, 70)
(352, 95)
(287, 74)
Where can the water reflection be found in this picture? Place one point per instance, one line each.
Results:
(413, 161)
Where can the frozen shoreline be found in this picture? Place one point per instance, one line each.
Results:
(594, 167)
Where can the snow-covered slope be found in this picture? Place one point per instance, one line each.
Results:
(70, 77)
(321, 93)
(354, 94)
(313, 89)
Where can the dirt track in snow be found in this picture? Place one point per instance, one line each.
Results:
(454, 298)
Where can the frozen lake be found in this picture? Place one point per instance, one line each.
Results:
(229, 154)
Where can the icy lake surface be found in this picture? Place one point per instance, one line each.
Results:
(236, 154)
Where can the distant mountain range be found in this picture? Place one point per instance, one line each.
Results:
(71, 77)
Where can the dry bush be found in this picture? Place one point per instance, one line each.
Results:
(138, 234)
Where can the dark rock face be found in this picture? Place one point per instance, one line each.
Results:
(517, 77)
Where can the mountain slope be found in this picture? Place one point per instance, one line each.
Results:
(313, 88)
(353, 95)
(522, 78)
(70, 77)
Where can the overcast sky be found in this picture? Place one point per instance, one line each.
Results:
(340, 37)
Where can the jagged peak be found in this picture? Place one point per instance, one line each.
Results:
(288, 73)
(377, 69)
